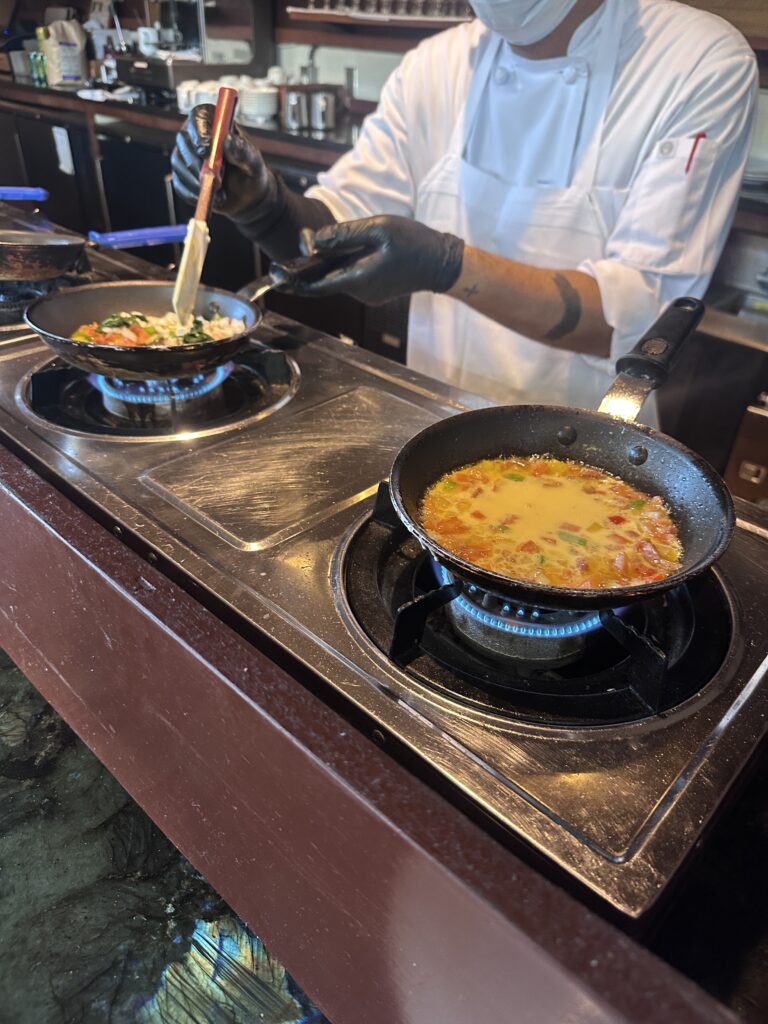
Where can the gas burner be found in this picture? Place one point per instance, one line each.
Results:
(256, 383)
(557, 667)
(159, 392)
(15, 296)
(162, 402)
(511, 632)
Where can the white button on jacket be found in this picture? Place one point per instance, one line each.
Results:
(622, 159)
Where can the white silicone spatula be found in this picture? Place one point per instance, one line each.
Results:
(196, 242)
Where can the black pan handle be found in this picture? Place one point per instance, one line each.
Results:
(307, 269)
(647, 365)
(655, 354)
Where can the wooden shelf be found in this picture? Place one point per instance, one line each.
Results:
(363, 20)
(341, 36)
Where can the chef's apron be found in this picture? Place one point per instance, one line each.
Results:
(538, 225)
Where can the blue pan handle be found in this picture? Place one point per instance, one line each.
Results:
(35, 195)
(139, 236)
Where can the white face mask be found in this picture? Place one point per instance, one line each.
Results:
(522, 22)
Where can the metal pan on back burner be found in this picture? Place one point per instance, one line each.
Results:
(56, 316)
(607, 439)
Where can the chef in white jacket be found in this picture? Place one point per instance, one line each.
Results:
(544, 179)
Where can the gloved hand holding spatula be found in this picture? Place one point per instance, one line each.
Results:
(198, 237)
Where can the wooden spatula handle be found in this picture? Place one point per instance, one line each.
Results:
(210, 176)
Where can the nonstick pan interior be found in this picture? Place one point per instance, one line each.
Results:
(699, 501)
(55, 317)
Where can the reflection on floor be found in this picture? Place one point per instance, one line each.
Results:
(101, 918)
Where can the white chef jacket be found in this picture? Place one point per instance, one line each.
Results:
(683, 78)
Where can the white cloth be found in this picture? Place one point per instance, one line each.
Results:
(679, 72)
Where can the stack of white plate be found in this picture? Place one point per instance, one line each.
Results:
(756, 172)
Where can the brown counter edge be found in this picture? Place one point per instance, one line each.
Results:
(18, 97)
(377, 894)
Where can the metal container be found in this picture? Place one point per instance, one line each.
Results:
(322, 110)
(295, 110)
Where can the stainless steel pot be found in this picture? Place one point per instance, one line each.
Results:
(295, 110)
(322, 110)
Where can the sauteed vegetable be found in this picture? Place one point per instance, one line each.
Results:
(135, 329)
(552, 522)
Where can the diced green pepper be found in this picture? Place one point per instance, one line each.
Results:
(501, 528)
(518, 477)
(638, 504)
(541, 559)
(450, 485)
(572, 538)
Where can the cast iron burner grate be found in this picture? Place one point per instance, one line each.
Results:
(259, 379)
(15, 296)
(650, 659)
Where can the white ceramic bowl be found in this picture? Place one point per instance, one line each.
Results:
(185, 95)
(206, 92)
(258, 103)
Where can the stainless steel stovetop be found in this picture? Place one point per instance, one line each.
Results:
(260, 515)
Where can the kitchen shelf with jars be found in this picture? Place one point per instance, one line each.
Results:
(394, 25)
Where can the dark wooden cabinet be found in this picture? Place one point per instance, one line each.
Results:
(11, 164)
(74, 197)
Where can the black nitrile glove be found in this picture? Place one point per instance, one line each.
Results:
(398, 256)
(251, 195)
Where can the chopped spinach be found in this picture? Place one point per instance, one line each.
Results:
(196, 335)
(122, 320)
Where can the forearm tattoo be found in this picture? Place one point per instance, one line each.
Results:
(471, 290)
(571, 310)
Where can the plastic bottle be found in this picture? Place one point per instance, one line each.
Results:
(37, 59)
(109, 64)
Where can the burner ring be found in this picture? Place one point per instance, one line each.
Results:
(158, 392)
(496, 626)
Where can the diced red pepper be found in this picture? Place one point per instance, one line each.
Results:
(570, 528)
(618, 520)
(477, 514)
(530, 546)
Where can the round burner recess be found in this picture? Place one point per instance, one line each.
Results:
(635, 664)
(257, 382)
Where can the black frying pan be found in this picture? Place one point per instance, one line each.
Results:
(37, 255)
(647, 459)
(55, 317)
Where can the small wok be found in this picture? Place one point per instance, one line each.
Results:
(55, 317)
(607, 439)
(37, 255)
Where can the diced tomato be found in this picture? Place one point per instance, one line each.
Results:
(648, 551)
(618, 520)
(529, 546)
(618, 538)
(570, 528)
(477, 492)
(477, 514)
(473, 552)
(508, 520)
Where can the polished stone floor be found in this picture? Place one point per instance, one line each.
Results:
(101, 918)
